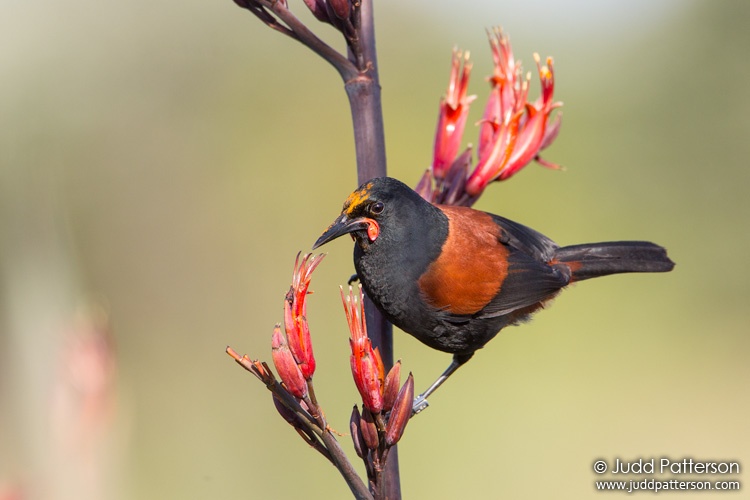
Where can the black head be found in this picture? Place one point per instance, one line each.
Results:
(375, 209)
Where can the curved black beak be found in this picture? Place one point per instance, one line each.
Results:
(341, 226)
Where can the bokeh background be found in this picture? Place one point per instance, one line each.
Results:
(161, 164)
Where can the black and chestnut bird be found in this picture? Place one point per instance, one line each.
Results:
(453, 277)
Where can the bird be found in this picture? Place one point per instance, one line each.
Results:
(453, 277)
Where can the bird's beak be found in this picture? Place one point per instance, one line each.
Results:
(341, 226)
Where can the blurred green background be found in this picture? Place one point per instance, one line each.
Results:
(165, 162)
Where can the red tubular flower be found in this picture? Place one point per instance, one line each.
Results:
(295, 313)
(454, 109)
(507, 96)
(449, 170)
(536, 132)
(286, 365)
(367, 366)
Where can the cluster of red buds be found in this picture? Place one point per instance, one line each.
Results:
(513, 131)
(293, 358)
(386, 408)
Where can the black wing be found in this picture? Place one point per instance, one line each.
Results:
(530, 278)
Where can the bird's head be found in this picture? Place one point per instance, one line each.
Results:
(373, 210)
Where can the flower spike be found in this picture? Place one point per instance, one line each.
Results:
(512, 131)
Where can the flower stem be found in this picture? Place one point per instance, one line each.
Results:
(358, 487)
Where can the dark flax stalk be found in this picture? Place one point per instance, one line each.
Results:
(369, 140)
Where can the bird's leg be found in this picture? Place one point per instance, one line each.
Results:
(420, 402)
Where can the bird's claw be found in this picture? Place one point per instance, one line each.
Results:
(354, 277)
(420, 403)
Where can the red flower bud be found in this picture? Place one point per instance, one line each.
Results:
(369, 429)
(392, 382)
(341, 8)
(401, 413)
(355, 425)
(365, 364)
(286, 365)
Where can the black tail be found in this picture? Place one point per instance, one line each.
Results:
(600, 259)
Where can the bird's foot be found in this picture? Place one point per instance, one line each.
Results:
(352, 279)
(420, 403)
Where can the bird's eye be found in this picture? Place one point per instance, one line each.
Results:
(377, 208)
